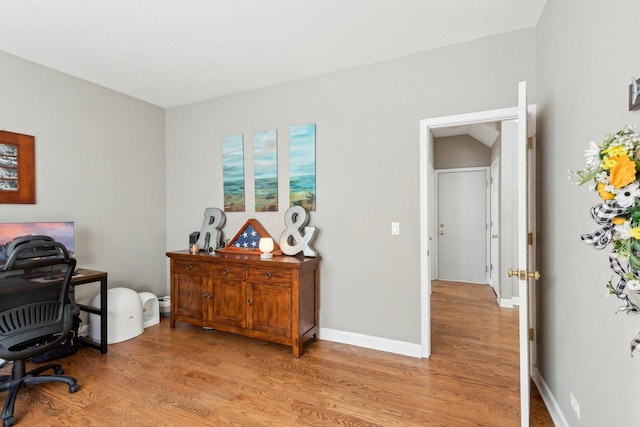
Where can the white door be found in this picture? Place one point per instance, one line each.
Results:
(494, 227)
(525, 269)
(462, 224)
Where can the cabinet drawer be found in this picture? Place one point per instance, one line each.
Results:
(232, 272)
(273, 275)
(187, 267)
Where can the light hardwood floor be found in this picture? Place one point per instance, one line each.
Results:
(190, 377)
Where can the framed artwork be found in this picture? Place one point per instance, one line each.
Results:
(247, 240)
(265, 158)
(17, 168)
(233, 173)
(302, 166)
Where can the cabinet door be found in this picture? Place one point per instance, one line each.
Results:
(229, 302)
(188, 288)
(188, 295)
(228, 305)
(269, 308)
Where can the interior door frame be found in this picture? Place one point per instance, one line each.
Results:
(494, 226)
(487, 232)
(427, 202)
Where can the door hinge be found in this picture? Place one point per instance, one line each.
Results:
(530, 142)
(531, 335)
(530, 238)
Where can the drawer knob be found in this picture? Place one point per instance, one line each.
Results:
(225, 271)
(204, 295)
(189, 266)
(250, 301)
(267, 275)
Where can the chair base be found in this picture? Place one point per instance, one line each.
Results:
(20, 378)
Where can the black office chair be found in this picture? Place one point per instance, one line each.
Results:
(36, 313)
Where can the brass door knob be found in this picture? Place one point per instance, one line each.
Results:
(523, 274)
(494, 236)
(442, 233)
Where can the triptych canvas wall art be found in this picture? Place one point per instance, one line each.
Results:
(302, 169)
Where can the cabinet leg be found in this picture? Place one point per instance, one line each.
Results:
(296, 347)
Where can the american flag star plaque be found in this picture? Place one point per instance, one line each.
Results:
(247, 240)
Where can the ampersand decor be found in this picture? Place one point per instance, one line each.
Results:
(292, 240)
(211, 234)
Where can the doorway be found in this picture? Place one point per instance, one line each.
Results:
(428, 221)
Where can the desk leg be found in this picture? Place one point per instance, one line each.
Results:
(103, 315)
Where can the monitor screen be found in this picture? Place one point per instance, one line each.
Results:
(62, 232)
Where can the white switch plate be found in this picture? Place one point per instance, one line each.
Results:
(395, 228)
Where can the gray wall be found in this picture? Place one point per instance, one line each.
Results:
(586, 57)
(367, 166)
(461, 151)
(100, 161)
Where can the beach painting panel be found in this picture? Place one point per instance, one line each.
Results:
(302, 166)
(233, 172)
(265, 157)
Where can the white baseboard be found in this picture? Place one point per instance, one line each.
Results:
(374, 343)
(549, 399)
(506, 303)
(509, 302)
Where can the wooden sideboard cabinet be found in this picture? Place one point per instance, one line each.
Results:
(270, 299)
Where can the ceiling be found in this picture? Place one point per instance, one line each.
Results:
(486, 133)
(175, 52)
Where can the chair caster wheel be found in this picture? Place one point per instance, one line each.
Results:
(9, 421)
(59, 371)
(74, 388)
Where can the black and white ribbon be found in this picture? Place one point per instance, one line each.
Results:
(603, 214)
(616, 267)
